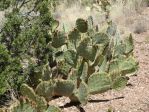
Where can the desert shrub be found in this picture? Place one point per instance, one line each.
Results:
(24, 36)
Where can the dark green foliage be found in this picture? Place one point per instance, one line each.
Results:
(4, 62)
(10, 71)
(26, 39)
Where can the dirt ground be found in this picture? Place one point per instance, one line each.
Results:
(135, 97)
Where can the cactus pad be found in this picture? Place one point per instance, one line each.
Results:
(70, 57)
(80, 94)
(29, 93)
(64, 88)
(98, 83)
(45, 89)
(82, 25)
(84, 72)
(128, 66)
(86, 51)
(120, 83)
(23, 108)
(100, 38)
(59, 39)
(74, 35)
(53, 109)
(129, 44)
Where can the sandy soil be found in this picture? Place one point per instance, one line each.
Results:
(135, 97)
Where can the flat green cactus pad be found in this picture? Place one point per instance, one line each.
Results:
(98, 83)
(112, 28)
(82, 25)
(53, 109)
(128, 66)
(28, 92)
(59, 39)
(119, 50)
(104, 65)
(100, 38)
(84, 74)
(70, 57)
(120, 83)
(41, 103)
(129, 45)
(86, 51)
(23, 108)
(82, 93)
(64, 88)
(74, 35)
(123, 66)
(45, 89)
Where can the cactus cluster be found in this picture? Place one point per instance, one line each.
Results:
(88, 61)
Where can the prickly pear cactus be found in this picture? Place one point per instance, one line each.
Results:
(92, 62)
(40, 102)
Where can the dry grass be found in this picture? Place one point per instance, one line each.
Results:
(123, 13)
